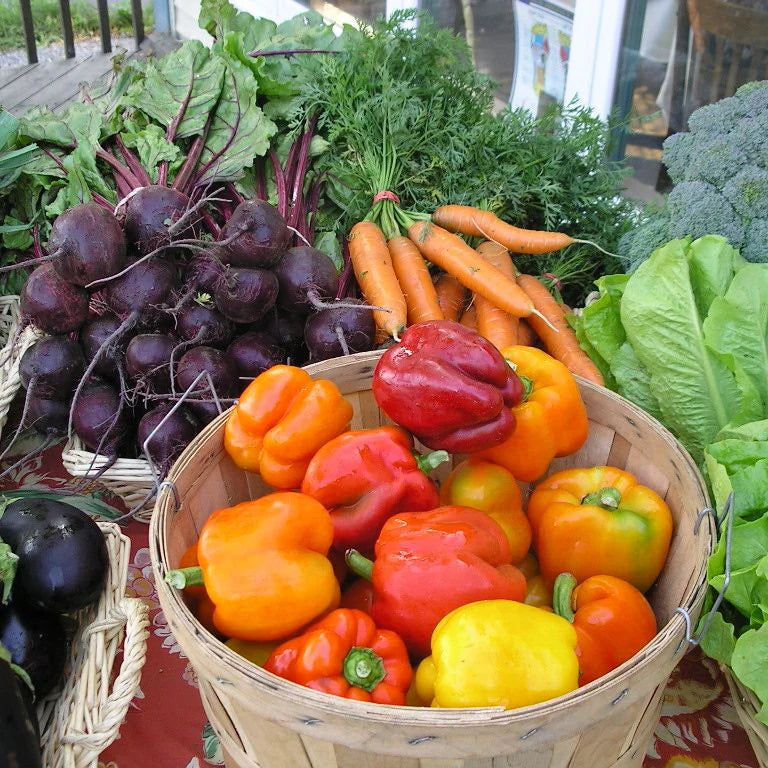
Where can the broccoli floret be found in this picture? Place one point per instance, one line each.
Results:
(678, 154)
(720, 169)
(755, 246)
(747, 192)
(697, 208)
(639, 243)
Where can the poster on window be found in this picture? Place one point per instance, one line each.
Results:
(543, 30)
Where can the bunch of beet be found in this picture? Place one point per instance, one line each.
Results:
(142, 313)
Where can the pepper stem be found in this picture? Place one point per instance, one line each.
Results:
(185, 577)
(359, 564)
(527, 386)
(363, 668)
(607, 498)
(431, 461)
(562, 595)
(8, 564)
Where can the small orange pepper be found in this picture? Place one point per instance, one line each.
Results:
(612, 619)
(492, 489)
(281, 420)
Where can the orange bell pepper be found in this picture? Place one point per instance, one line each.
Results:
(346, 655)
(551, 421)
(597, 521)
(492, 489)
(612, 619)
(280, 421)
(264, 566)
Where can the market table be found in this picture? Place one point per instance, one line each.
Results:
(166, 726)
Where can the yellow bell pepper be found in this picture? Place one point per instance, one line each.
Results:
(498, 653)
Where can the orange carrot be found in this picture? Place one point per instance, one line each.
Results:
(375, 275)
(451, 296)
(415, 281)
(561, 344)
(469, 318)
(452, 254)
(480, 223)
(525, 335)
(496, 325)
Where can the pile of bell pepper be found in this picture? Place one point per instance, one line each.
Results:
(361, 576)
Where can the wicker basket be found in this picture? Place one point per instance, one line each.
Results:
(267, 722)
(81, 720)
(748, 705)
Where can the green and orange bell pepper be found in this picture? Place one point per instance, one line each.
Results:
(282, 418)
(492, 489)
(346, 655)
(264, 566)
(612, 619)
(598, 521)
(550, 421)
(449, 386)
(366, 476)
(428, 563)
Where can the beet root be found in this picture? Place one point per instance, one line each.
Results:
(204, 326)
(329, 331)
(101, 419)
(307, 277)
(150, 215)
(55, 363)
(287, 329)
(171, 438)
(254, 352)
(144, 290)
(258, 233)
(51, 303)
(147, 359)
(48, 417)
(223, 376)
(90, 243)
(93, 335)
(246, 295)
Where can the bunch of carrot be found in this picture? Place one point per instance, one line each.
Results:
(505, 307)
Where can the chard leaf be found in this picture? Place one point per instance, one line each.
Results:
(16, 234)
(183, 86)
(328, 243)
(737, 325)
(152, 147)
(698, 395)
(238, 133)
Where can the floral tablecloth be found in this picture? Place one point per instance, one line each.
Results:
(166, 726)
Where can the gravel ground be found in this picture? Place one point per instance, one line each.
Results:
(83, 49)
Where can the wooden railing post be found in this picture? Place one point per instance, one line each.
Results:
(29, 30)
(66, 29)
(138, 22)
(104, 29)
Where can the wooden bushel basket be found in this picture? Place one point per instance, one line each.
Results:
(264, 721)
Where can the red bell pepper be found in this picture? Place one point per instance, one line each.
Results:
(345, 654)
(364, 477)
(429, 563)
(449, 386)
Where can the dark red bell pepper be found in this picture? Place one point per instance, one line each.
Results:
(429, 563)
(449, 386)
(364, 477)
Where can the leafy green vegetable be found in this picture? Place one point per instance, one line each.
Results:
(750, 665)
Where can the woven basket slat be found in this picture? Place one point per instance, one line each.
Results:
(747, 706)
(266, 722)
(82, 719)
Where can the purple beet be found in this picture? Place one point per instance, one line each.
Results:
(48, 417)
(101, 419)
(307, 279)
(254, 352)
(149, 215)
(143, 292)
(55, 364)
(223, 375)
(329, 331)
(90, 244)
(51, 303)
(93, 335)
(287, 330)
(202, 325)
(147, 359)
(260, 235)
(246, 295)
(171, 438)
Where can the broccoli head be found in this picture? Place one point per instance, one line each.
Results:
(720, 171)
